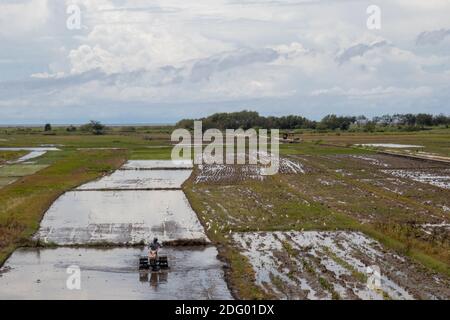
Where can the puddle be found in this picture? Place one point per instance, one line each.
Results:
(82, 217)
(195, 273)
(137, 179)
(157, 164)
(320, 265)
(29, 156)
(389, 145)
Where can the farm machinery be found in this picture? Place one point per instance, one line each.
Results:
(153, 261)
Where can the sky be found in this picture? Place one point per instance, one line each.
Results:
(149, 61)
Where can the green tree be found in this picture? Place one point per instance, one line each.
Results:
(423, 119)
(94, 127)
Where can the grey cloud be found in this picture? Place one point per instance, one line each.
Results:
(203, 69)
(195, 71)
(432, 37)
(51, 82)
(358, 50)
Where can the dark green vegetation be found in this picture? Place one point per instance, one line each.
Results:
(94, 127)
(250, 119)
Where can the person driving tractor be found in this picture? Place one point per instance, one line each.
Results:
(153, 261)
(155, 245)
(153, 252)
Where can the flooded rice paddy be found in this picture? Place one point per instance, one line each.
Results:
(122, 217)
(195, 273)
(91, 218)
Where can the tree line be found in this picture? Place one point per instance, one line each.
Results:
(93, 126)
(251, 119)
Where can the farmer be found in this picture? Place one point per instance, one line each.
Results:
(155, 245)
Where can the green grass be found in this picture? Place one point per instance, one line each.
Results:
(10, 155)
(23, 203)
(6, 180)
(20, 170)
(268, 205)
(151, 153)
(404, 248)
(129, 141)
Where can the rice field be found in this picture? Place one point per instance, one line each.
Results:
(339, 221)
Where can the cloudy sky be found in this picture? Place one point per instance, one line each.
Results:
(157, 61)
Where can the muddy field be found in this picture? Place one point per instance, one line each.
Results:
(195, 273)
(334, 265)
(438, 178)
(285, 225)
(381, 189)
(226, 173)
